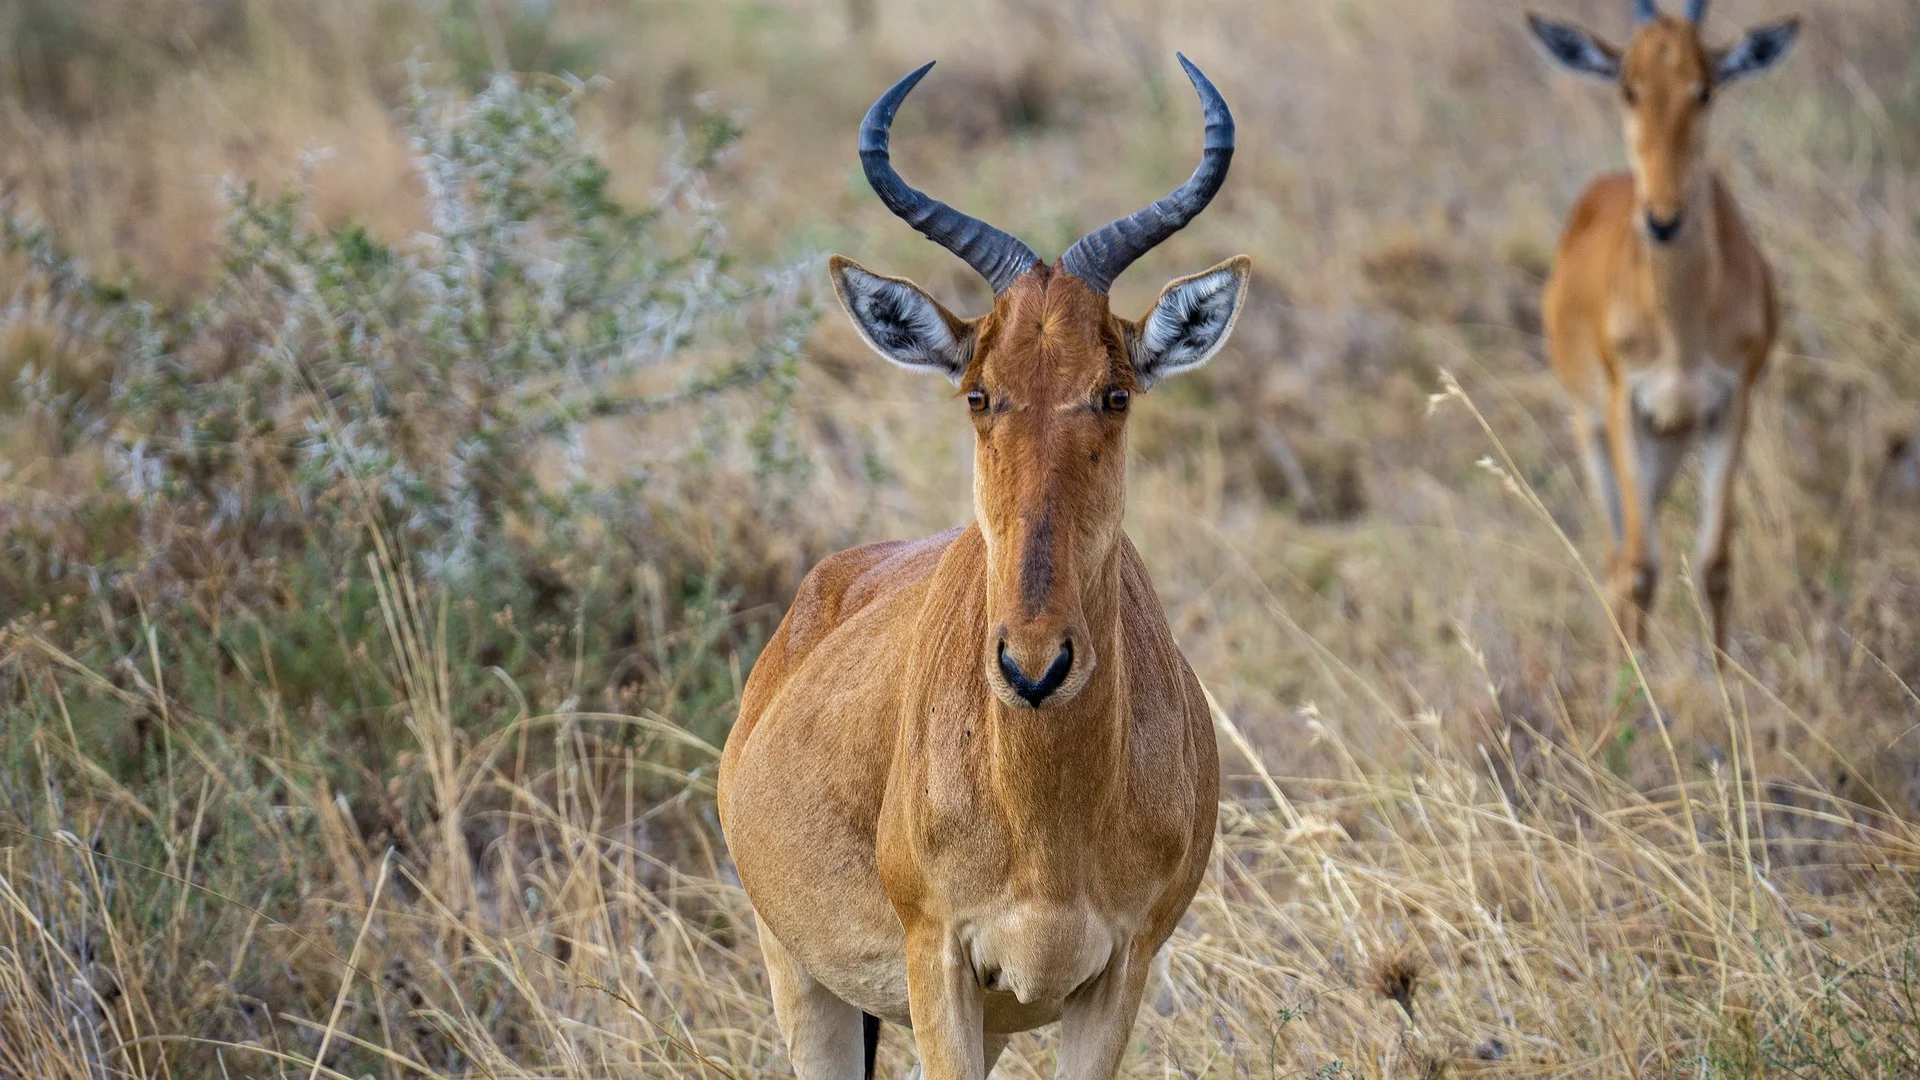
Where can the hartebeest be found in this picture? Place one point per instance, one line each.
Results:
(1660, 310)
(973, 782)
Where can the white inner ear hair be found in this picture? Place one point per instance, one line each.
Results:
(1188, 321)
(900, 322)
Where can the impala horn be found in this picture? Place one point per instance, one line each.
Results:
(1644, 11)
(1100, 256)
(993, 254)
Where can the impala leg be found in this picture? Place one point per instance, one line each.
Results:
(947, 1005)
(1097, 1019)
(1720, 446)
(824, 1036)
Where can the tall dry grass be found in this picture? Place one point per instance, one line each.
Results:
(373, 824)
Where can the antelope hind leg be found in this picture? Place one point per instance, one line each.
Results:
(825, 1037)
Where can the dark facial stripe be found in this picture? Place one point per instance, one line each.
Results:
(1036, 566)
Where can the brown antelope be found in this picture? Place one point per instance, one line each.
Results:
(973, 783)
(1660, 310)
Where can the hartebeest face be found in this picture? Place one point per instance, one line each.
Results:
(1048, 378)
(1667, 79)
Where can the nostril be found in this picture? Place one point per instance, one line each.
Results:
(1034, 691)
(1662, 230)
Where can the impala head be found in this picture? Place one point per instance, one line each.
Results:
(1667, 78)
(1047, 378)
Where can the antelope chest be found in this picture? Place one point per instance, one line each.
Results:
(1678, 399)
(1039, 951)
(1678, 380)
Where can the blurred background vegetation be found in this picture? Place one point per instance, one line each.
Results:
(414, 414)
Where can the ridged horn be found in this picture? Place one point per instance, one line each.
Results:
(1100, 256)
(1644, 11)
(993, 254)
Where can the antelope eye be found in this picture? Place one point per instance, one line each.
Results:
(1117, 400)
(977, 400)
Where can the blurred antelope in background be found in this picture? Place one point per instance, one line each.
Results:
(1660, 310)
(973, 782)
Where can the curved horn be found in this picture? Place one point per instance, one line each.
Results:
(1100, 256)
(1644, 11)
(1696, 10)
(993, 254)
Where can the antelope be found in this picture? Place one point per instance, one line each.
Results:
(973, 783)
(1660, 309)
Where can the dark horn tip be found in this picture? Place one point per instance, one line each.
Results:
(1195, 76)
(913, 77)
(1213, 106)
(879, 119)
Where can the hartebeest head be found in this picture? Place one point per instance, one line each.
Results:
(1048, 376)
(1667, 77)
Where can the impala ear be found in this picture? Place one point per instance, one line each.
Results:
(1190, 321)
(1760, 49)
(1575, 49)
(901, 322)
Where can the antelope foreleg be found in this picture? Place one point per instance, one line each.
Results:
(1633, 570)
(1590, 431)
(1720, 448)
(1646, 459)
(1097, 1019)
(947, 1004)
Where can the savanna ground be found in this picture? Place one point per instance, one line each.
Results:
(400, 467)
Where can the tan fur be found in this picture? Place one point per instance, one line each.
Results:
(918, 843)
(1660, 344)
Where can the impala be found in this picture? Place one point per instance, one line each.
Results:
(1660, 310)
(973, 783)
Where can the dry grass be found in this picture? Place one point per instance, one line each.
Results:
(1459, 835)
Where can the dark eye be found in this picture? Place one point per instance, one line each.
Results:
(977, 400)
(1627, 95)
(1117, 400)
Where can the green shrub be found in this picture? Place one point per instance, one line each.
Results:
(332, 384)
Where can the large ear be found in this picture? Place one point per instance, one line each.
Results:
(1190, 321)
(1576, 49)
(1760, 49)
(901, 322)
